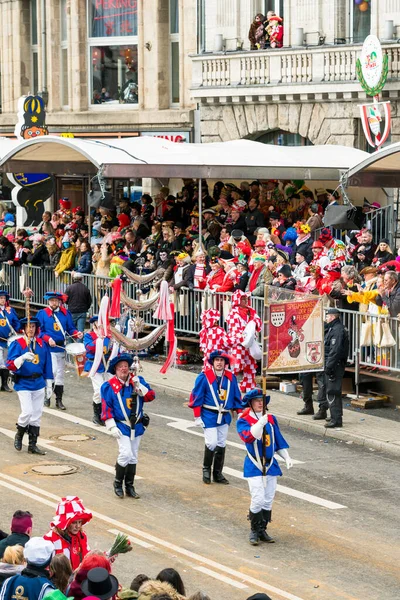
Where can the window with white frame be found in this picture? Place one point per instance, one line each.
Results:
(113, 54)
(274, 5)
(174, 50)
(360, 20)
(64, 53)
(34, 49)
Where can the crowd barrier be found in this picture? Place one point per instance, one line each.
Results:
(374, 339)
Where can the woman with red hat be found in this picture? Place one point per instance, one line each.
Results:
(66, 530)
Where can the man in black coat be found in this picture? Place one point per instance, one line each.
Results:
(254, 219)
(79, 301)
(336, 344)
(21, 529)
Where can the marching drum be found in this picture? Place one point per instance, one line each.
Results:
(76, 355)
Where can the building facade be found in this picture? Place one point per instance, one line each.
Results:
(306, 92)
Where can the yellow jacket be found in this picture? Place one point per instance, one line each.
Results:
(67, 260)
(364, 298)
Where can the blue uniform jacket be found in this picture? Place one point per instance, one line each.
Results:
(49, 328)
(206, 393)
(89, 339)
(8, 317)
(273, 443)
(40, 366)
(30, 588)
(111, 408)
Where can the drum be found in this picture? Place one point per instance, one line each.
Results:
(12, 339)
(76, 355)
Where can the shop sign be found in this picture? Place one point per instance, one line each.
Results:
(372, 66)
(112, 18)
(179, 137)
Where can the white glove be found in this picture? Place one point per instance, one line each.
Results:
(49, 388)
(258, 428)
(285, 455)
(18, 362)
(112, 428)
(142, 389)
(198, 421)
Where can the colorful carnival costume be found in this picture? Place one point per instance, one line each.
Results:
(239, 317)
(55, 323)
(97, 354)
(250, 427)
(215, 394)
(30, 361)
(212, 336)
(122, 411)
(66, 530)
(9, 325)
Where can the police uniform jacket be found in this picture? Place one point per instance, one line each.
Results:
(89, 339)
(31, 376)
(31, 584)
(336, 342)
(8, 319)
(111, 408)
(274, 442)
(213, 397)
(51, 329)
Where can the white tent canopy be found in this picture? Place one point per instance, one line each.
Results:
(153, 157)
(381, 169)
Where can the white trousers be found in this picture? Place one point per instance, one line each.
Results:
(58, 365)
(3, 357)
(128, 450)
(97, 381)
(262, 497)
(31, 407)
(216, 436)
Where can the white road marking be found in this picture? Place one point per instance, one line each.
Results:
(258, 584)
(49, 445)
(132, 539)
(291, 492)
(76, 420)
(222, 578)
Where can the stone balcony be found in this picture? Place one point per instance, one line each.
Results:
(288, 74)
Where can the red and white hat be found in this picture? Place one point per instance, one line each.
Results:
(208, 317)
(70, 509)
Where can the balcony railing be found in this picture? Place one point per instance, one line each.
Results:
(318, 65)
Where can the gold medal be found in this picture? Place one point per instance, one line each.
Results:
(3, 322)
(56, 327)
(36, 359)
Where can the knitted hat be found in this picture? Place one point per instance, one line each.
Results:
(325, 236)
(70, 509)
(285, 270)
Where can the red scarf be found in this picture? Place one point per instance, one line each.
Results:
(254, 279)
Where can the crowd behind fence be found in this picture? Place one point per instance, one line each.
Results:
(374, 339)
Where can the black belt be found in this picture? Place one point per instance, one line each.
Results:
(33, 376)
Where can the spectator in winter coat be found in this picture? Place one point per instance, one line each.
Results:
(21, 529)
(12, 563)
(40, 255)
(183, 275)
(7, 251)
(254, 219)
(79, 301)
(285, 279)
(85, 261)
(314, 220)
(256, 33)
(54, 253)
(391, 295)
(67, 258)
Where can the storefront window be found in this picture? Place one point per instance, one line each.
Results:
(114, 74)
(361, 12)
(112, 18)
(283, 138)
(275, 5)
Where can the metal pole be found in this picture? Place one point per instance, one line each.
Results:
(200, 216)
(44, 93)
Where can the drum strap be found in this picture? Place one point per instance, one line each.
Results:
(126, 421)
(8, 323)
(57, 320)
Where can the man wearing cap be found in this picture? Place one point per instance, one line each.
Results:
(122, 400)
(215, 394)
(256, 283)
(98, 347)
(30, 361)
(336, 348)
(183, 275)
(55, 323)
(9, 325)
(254, 219)
(79, 300)
(320, 257)
(33, 583)
(21, 529)
(262, 437)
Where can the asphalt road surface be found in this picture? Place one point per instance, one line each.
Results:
(335, 517)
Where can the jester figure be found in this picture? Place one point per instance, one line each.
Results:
(238, 321)
(212, 336)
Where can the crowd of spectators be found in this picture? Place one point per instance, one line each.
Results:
(35, 559)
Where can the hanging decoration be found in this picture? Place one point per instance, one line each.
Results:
(143, 279)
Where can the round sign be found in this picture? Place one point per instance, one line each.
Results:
(372, 61)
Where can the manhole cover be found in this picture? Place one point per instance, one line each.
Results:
(72, 437)
(54, 469)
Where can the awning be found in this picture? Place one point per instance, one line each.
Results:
(153, 157)
(381, 169)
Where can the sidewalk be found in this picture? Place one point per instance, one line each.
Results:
(359, 428)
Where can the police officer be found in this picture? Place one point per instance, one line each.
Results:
(122, 399)
(9, 325)
(336, 343)
(55, 323)
(30, 361)
(95, 340)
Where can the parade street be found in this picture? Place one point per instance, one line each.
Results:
(335, 517)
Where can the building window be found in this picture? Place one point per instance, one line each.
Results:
(174, 50)
(274, 5)
(360, 16)
(64, 53)
(113, 52)
(283, 138)
(34, 48)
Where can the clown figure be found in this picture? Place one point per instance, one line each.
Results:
(212, 336)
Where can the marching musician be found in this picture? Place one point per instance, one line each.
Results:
(122, 400)
(92, 340)
(215, 394)
(30, 361)
(55, 323)
(9, 325)
(250, 426)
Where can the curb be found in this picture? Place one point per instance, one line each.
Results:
(308, 426)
